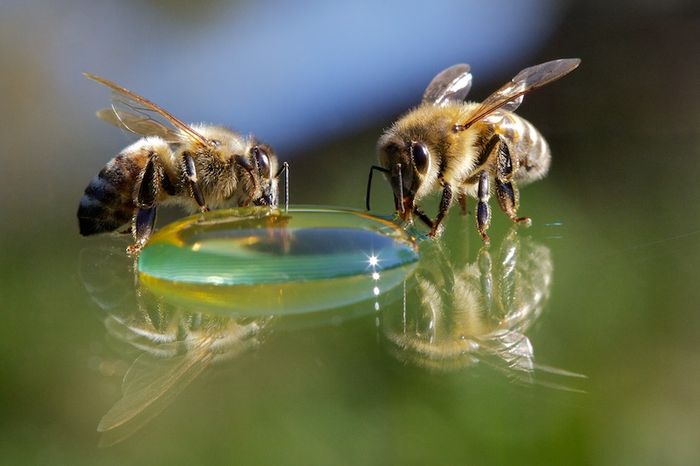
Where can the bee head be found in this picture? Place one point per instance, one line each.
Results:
(407, 164)
(260, 163)
(264, 164)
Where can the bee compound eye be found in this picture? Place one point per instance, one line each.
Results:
(263, 161)
(421, 157)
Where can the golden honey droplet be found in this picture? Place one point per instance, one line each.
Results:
(263, 261)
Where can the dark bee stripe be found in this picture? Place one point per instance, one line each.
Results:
(107, 203)
(102, 209)
(101, 189)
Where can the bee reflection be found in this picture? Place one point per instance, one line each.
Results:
(457, 314)
(169, 346)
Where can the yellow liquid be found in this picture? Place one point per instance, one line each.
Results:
(262, 261)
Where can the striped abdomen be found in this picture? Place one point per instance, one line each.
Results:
(108, 202)
(528, 148)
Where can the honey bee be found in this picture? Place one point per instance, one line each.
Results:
(197, 166)
(466, 148)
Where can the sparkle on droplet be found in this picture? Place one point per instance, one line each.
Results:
(260, 260)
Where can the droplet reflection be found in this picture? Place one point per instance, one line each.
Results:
(455, 313)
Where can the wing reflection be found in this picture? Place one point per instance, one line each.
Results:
(173, 345)
(451, 313)
(171, 358)
(168, 343)
(456, 313)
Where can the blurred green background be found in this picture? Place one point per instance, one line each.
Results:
(319, 81)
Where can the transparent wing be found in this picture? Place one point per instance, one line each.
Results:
(138, 123)
(141, 116)
(149, 386)
(510, 96)
(450, 85)
(106, 274)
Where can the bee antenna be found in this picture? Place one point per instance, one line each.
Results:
(369, 182)
(398, 165)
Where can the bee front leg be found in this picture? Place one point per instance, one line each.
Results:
(423, 217)
(506, 190)
(144, 219)
(483, 211)
(445, 203)
(191, 174)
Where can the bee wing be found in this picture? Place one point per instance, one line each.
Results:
(138, 123)
(510, 96)
(139, 115)
(450, 85)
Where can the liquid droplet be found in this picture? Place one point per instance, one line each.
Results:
(257, 260)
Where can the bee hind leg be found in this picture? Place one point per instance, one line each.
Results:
(144, 223)
(506, 190)
(144, 219)
(507, 194)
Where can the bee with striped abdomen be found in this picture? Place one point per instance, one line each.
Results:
(195, 166)
(465, 148)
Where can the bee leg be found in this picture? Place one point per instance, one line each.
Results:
(506, 191)
(508, 195)
(146, 203)
(424, 218)
(191, 173)
(445, 203)
(144, 221)
(483, 211)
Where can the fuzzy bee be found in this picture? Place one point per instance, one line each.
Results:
(196, 166)
(466, 148)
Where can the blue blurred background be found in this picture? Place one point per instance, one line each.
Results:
(297, 74)
(294, 71)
